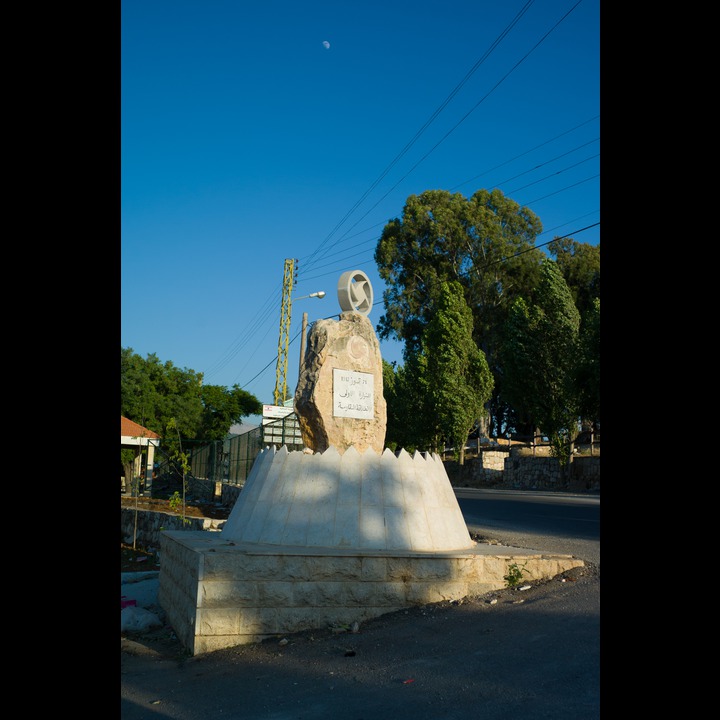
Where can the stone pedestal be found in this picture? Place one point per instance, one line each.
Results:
(218, 594)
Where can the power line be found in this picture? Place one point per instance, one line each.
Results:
(454, 127)
(527, 152)
(427, 124)
(483, 267)
(316, 255)
(262, 319)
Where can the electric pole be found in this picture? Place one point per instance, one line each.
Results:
(280, 395)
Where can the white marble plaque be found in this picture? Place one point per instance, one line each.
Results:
(353, 394)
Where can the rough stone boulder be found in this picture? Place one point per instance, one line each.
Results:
(339, 397)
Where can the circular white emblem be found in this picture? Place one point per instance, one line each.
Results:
(355, 292)
(358, 348)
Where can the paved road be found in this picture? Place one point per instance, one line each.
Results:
(554, 522)
(531, 654)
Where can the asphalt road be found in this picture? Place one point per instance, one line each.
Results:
(549, 521)
(531, 654)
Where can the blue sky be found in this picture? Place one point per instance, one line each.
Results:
(252, 132)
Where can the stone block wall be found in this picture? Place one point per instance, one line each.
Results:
(545, 473)
(585, 473)
(489, 467)
(211, 491)
(217, 594)
(520, 471)
(229, 494)
(150, 525)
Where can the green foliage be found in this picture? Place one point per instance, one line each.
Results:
(409, 421)
(539, 357)
(156, 392)
(484, 242)
(177, 504)
(515, 573)
(459, 380)
(128, 457)
(580, 266)
(394, 428)
(175, 501)
(560, 444)
(169, 401)
(587, 370)
(222, 408)
(181, 459)
(440, 392)
(127, 460)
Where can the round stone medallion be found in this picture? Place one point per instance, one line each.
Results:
(358, 348)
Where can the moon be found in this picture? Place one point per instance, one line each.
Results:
(326, 44)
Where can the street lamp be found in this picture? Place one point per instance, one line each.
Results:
(281, 372)
(320, 295)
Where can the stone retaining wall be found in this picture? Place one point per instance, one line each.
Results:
(150, 524)
(229, 494)
(519, 471)
(210, 491)
(545, 473)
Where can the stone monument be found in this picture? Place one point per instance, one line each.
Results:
(339, 399)
(341, 532)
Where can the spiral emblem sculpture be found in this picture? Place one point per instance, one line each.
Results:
(355, 292)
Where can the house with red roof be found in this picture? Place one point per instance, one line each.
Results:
(136, 436)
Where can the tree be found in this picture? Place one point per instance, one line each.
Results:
(174, 403)
(587, 371)
(459, 380)
(137, 387)
(485, 242)
(222, 408)
(393, 427)
(181, 461)
(154, 393)
(539, 356)
(410, 422)
(579, 264)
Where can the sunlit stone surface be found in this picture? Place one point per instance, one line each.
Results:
(348, 345)
(354, 501)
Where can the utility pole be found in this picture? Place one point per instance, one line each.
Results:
(280, 394)
(303, 333)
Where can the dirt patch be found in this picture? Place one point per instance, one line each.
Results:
(138, 559)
